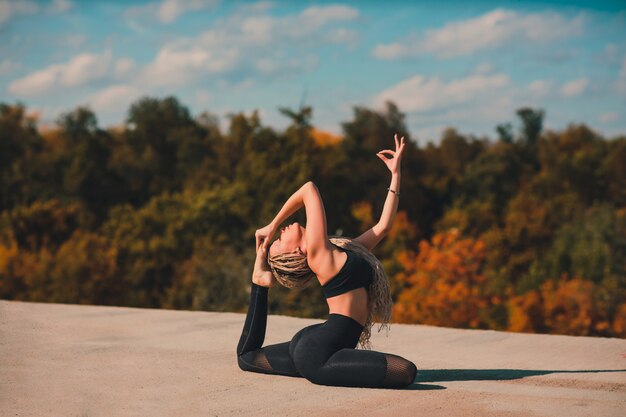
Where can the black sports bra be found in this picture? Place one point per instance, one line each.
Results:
(355, 273)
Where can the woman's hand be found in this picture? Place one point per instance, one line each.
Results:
(262, 274)
(264, 235)
(393, 163)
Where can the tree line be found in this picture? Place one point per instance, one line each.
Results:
(524, 232)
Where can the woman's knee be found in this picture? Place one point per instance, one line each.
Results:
(400, 371)
(412, 373)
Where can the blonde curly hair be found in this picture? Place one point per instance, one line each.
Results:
(291, 270)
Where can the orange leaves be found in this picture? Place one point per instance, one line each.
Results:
(568, 306)
(452, 258)
(7, 252)
(402, 225)
(619, 323)
(323, 138)
(444, 282)
(525, 312)
(362, 211)
(444, 285)
(565, 306)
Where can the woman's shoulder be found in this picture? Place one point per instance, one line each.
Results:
(328, 262)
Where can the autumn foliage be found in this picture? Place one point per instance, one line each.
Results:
(444, 283)
(525, 232)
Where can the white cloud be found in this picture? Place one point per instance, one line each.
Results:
(177, 66)
(484, 68)
(170, 10)
(79, 70)
(487, 111)
(611, 54)
(167, 11)
(422, 94)
(245, 44)
(113, 98)
(12, 8)
(477, 102)
(9, 9)
(320, 15)
(393, 51)
(609, 117)
(37, 82)
(60, 6)
(574, 87)
(474, 103)
(342, 35)
(124, 66)
(541, 88)
(84, 68)
(75, 41)
(489, 31)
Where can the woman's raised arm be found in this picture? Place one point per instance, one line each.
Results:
(316, 234)
(371, 237)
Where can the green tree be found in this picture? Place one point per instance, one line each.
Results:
(161, 146)
(19, 144)
(84, 159)
(44, 224)
(84, 271)
(592, 247)
(505, 132)
(153, 240)
(532, 124)
(212, 278)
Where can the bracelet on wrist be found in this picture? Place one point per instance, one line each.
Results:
(392, 191)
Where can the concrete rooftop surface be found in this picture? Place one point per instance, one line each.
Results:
(79, 361)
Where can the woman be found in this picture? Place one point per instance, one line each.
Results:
(355, 287)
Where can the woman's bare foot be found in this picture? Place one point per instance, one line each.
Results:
(262, 274)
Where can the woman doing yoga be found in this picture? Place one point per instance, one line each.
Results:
(354, 284)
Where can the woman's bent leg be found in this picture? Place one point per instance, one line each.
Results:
(271, 359)
(367, 368)
(325, 355)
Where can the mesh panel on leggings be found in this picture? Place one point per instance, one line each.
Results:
(260, 360)
(400, 372)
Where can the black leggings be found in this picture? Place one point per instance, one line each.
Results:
(322, 353)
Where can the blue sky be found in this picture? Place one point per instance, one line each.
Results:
(469, 65)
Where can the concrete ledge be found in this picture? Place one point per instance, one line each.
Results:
(76, 360)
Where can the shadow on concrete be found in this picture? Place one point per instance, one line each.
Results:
(439, 375)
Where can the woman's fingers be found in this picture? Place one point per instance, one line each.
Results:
(260, 240)
(395, 138)
(386, 151)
